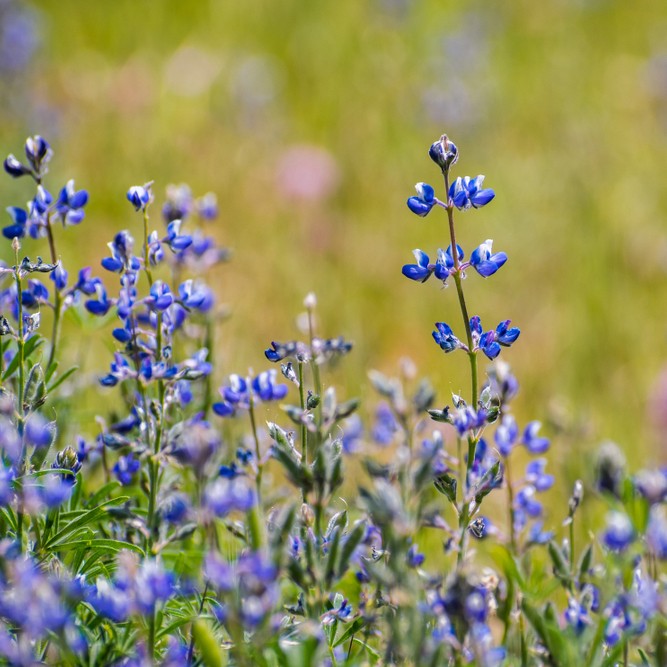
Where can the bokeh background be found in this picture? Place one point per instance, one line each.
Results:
(311, 122)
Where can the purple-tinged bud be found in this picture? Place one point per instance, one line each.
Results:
(38, 152)
(444, 153)
(140, 196)
(15, 168)
(576, 497)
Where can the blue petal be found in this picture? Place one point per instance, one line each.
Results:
(419, 207)
(13, 231)
(111, 264)
(223, 409)
(78, 199)
(415, 272)
(482, 198)
(421, 257)
(485, 269)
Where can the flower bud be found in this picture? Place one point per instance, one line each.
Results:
(307, 515)
(444, 153)
(576, 497)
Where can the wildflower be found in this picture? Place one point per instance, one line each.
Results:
(444, 153)
(67, 459)
(534, 443)
(445, 337)
(17, 228)
(424, 201)
(423, 269)
(484, 262)
(70, 203)
(228, 495)
(39, 153)
(414, 558)
(466, 192)
(490, 342)
(506, 435)
(536, 476)
(619, 533)
(140, 196)
(125, 469)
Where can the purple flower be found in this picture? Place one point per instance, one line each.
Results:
(70, 203)
(506, 435)
(227, 495)
(619, 533)
(484, 262)
(536, 476)
(18, 226)
(125, 469)
(140, 196)
(445, 337)
(534, 443)
(423, 269)
(424, 201)
(466, 192)
(174, 239)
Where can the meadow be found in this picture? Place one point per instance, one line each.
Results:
(300, 131)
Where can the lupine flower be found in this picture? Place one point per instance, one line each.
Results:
(102, 304)
(466, 192)
(385, 426)
(484, 262)
(121, 254)
(70, 203)
(39, 432)
(38, 210)
(39, 153)
(67, 459)
(525, 500)
(444, 153)
(536, 476)
(619, 533)
(491, 341)
(652, 484)
(160, 297)
(14, 167)
(414, 558)
(656, 532)
(341, 611)
(423, 269)
(239, 393)
(17, 228)
(445, 337)
(424, 201)
(179, 202)
(174, 239)
(576, 616)
(207, 206)
(506, 435)
(125, 469)
(534, 443)
(140, 196)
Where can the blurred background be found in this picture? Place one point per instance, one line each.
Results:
(311, 122)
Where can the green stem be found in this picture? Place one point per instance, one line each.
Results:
(302, 402)
(510, 502)
(258, 453)
(57, 306)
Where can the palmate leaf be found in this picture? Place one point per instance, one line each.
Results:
(82, 521)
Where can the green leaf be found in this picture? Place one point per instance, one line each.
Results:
(100, 543)
(561, 567)
(356, 626)
(446, 484)
(88, 517)
(59, 380)
(349, 545)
